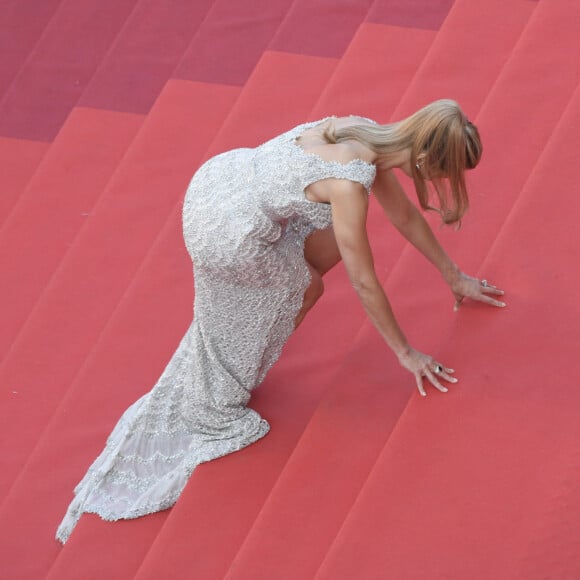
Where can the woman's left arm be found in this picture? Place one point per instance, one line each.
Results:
(413, 226)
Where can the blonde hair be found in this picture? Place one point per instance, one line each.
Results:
(442, 133)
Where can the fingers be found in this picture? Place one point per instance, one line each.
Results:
(482, 291)
(489, 300)
(420, 386)
(493, 290)
(433, 380)
(446, 377)
(488, 288)
(432, 376)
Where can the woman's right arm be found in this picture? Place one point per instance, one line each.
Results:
(349, 203)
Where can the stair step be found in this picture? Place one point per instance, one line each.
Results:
(300, 32)
(543, 454)
(22, 25)
(497, 181)
(228, 27)
(419, 14)
(491, 468)
(67, 184)
(148, 25)
(19, 159)
(139, 62)
(145, 54)
(54, 76)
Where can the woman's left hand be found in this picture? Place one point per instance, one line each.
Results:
(465, 286)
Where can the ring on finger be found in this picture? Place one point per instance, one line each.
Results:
(484, 283)
(438, 369)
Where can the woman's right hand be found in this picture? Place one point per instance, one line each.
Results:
(424, 366)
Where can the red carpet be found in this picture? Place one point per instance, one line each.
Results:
(106, 110)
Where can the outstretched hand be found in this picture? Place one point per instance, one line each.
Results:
(424, 366)
(465, 286)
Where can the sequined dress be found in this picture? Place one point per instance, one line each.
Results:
(245, 220)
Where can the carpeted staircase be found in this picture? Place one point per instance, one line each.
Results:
(107, 109)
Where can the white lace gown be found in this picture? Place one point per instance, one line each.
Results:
(245, 219)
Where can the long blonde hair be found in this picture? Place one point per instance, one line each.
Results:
(441, 132)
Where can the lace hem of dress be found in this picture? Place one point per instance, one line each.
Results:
(115, 494)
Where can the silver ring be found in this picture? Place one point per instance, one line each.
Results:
(484, 283)
(438, 369)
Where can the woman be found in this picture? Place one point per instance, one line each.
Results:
(262, 227)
